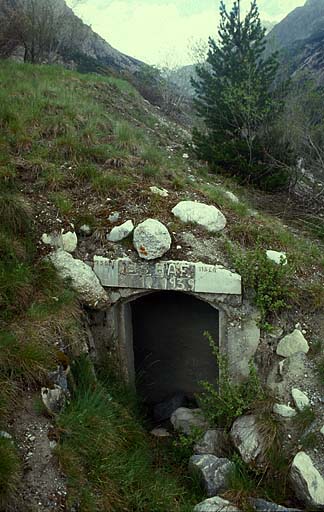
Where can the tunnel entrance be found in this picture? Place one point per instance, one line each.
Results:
(171, 354)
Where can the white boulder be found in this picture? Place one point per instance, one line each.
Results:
(292, 343)
(231, 196)
(284, 410)
(301, 399)
(83, 280)
(184, 420)
(214, 442)
(307, 482)
(247, 438)
(151, 239)
(159, 191)
(215, 504)
(118, 233)
(280, 258)
(207, 216)
(53, 399)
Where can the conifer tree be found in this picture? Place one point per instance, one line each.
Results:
(234, 93)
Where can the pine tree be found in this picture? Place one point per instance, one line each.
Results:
(234, 93)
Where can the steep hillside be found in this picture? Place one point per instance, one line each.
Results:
(79, 156)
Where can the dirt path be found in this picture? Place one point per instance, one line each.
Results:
(43, 485)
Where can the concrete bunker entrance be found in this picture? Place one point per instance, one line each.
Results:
(170, 353)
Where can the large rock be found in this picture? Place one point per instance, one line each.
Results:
(307, 482)
(215, 504)
(213, 472)
(209, 217)
(247, 438)
(151, 239)
(84, 281)
(214, 442)
(185, 420)
(292, 343)
(118, 233)
(267, 506)
(301, 399)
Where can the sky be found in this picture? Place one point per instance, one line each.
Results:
(162, 32)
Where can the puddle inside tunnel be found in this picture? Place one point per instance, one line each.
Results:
(171, 354)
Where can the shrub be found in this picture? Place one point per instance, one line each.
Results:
(224, 402)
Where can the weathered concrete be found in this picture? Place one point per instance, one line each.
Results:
(167, 275)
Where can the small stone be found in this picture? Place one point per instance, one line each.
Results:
(301, 399)
(247, 438)
(284, 410)
(118, 233)
(260, 505)
(70, 241)
(53, 399)
(114, 217)
(214, 442)
(6, 435)
(292, 343)
(85, 230)
(322, 430)
(280, 258)
(184, 420)
(231, 196)
(151, 239)
(215, 504)
(164, 410)
(160, 432)
(159, 191)
(206, 216)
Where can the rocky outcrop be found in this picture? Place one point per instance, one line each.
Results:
(83, 280)
(151, 239)
(307, 482)
(206, 216)
(185, 420)
(213, 472)
(292, 343)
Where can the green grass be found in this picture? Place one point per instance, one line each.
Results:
(62, 202)
(10, 472)
(110, 461)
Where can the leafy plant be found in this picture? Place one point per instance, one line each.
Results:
(227, 400)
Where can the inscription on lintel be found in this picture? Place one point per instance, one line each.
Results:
(167, 275)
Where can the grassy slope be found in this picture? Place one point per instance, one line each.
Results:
(67, 143)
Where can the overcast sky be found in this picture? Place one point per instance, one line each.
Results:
(161, 31)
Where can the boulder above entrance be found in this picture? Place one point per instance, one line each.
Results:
(167, 275)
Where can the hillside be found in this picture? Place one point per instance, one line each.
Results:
(79, 155)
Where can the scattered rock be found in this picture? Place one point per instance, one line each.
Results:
(214, 442)
(307, 482)
(53, 399)
(292, 343)
(66, 241)
(164, 410)
(159, 191)
(209, 217)
(151, 239)
(118, 233)
(231, 196)
(322, 430)
(85, 230)
(213, 471)
(267, 506)
(114, 217)
(284, 410)
(6, 435)
(215, 504)
(70, 241)
(59, 377)
(184, 420)
(301, 399)
(247, 438)
(160, 432)
(83, 279)
(277, 257)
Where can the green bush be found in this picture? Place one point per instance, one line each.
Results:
(226, 401)
(9, 472)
